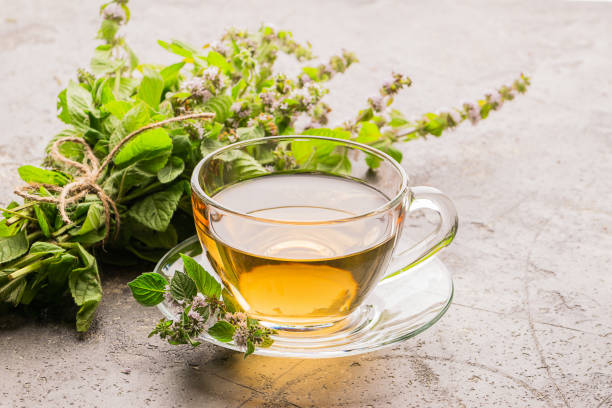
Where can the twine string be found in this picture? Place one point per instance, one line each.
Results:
(90, 170)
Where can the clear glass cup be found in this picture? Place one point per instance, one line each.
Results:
(301, 229)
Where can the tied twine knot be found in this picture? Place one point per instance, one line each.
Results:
(90, 170)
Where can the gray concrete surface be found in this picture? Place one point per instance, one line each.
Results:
(531, 325)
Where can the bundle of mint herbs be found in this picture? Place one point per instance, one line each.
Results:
(114, 185)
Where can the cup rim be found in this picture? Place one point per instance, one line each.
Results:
(199, 191)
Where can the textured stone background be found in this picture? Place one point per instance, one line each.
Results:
(531, 325)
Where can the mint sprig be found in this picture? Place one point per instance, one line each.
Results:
(198, 305)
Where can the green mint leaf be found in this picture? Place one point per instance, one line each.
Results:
(118, 108)
(148, 289)
(170, 73)
(43, 223)
(393, 152)
(218, 60)
(155, 211)
(369, 133)
(205, 283)
(103, 62)
(93, 221)
(108, 29)
(13, 247)
(250, 349)
(246, 133)
(58, 271)
(173, 168)
(220, 106)
(79, 104)
(151, 87)
(178, 48)
(148, 145)
(31, 174)
(45, 247)
(182, 287)
(155, 239)
(133, 120)
(242, 164)
(231, 304)
(335, 133)
(435, 125)
(85, 287)
(222, 331)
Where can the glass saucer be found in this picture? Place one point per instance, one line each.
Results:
(399, 308)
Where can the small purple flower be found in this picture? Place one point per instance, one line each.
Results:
(199, 301)
(473, 112)
(236, 107)
(195, 316)
(377, 103)
(220, 47)
(211, 74)
(305, 79)
(113, 12)
(455, 117)
(267, 98)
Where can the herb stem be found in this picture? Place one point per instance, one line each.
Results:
(34, 235)
(140, 193)
(66, 228)
(26, 270)
(25, 260)
(17, 214)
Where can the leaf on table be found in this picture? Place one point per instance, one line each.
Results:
(148, 289)
(206, 284)
(85, 287)
(222, 331)
(13, 247)
(155, 211)
(182, 287)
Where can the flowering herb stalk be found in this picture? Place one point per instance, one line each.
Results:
(199, 305)
(114, 186)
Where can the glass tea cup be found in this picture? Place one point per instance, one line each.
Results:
(301, 229)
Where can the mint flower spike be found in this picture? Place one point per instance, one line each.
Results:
(195, 299)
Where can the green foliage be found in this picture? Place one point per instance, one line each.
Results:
(205, 283)
(148, 289)
(222, 331)
(182, 287)
(31, 174)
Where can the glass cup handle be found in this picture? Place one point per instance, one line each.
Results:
(433, 199)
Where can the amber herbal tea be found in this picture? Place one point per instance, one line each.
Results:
(313, 262)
